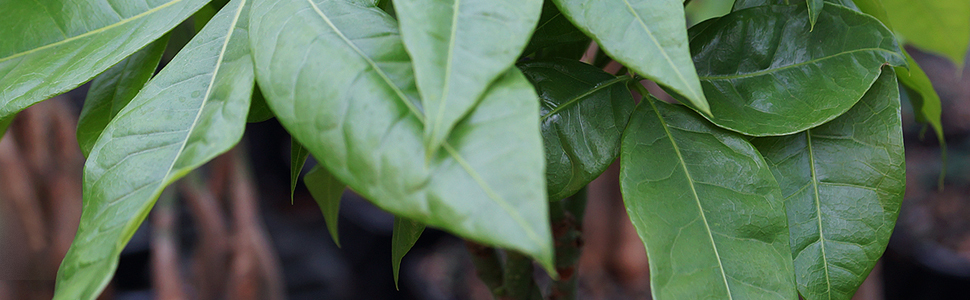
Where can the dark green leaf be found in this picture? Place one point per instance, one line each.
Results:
(192, 111)
(326, 191)
(112, 90)
(767, 74)
(939, 26)
(742, 4)
(584, 111)
(555, 36)
(843, 183)
(814, 9)
(258, 110)
(4, 124)
(706, 206)
(298, 156)
(458, 48)
(647, 36)
(406, 233)
(352, 103)
(50, 47)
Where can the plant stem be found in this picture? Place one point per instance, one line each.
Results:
(487, 266)
(567, 227)
(519, 284)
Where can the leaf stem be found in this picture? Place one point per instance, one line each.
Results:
(487, 266)
(566, 217)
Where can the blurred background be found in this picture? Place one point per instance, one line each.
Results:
(229, 231)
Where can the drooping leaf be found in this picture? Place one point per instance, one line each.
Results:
(938, 26)
(353, 105)
(767, 74)
(258, 110)
(50, 47)
(458, 48)
(647, 36)
(193, 110)
(584, 111)
(706, 206)
(298, 156)
(843, 183)
(555, 36)
(326, 191)
(112, 90)
(405, 235)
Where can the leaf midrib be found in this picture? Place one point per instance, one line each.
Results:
(818, 212)
(662, 51)
(773, 70)
(581, 97)
(445, 144)
(449, 61)
(92, 32)
(697, 198)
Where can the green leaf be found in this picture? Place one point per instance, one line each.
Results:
(258, 110)
(458, 48)
(742, 4)
(555, 36)
(814, 9)
(51, 47)
(352, 103)
(5, 124)
(706, 206)
(843, 183)
(112, 90)
(647, 36)
(939, 26)
(406, 233)
(298, 156)
(584, 111)
(326, 191)
(767, 74)
(192, 111)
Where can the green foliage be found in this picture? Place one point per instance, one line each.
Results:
(779, 177)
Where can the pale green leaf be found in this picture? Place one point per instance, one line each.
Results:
(647, 36)
(405, 235)
(458, 48)
(347, 93)
(50, 47)
(938, 26)
(192, 111)
(326, 191)
(706, 206)
(843, 183)
(112, 90)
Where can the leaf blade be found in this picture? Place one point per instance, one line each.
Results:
(942, 26)
(326, 191)
(298, 156)
(405, 234)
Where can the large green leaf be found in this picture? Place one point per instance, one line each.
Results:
(555, 36)
(458, 48)
(193, 110)
(326, 191)
(347, 93)
(584, 111)
(706, 206)
(50, 47)
(112, 90)
(767, 74)
(648, 36)
(742, 4)
(405, 235)
(843, 183)
(940, 26)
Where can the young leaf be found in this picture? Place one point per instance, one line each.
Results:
(192, 111)
(844, 184)
(706, 206)
(767, 74)
(939, 26)
(298, 156)
(555, 36)
(50, 47)
(326, 191)
(458, 48)
(584, 111)
(352, 104)
(648, 36)
(258, 110)
(406, 233)
(814, 9)
(112, 90)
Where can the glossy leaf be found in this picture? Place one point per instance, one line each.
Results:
(192, 111)
(72, 41)
(258, 110)
(742, 4)
(555, 36)
(939, 26)
(706, 206)
(584, 111)
(843, 183)
(647, 36)
(405, 235)
(458, 48)
(352, 103)
(326, 191)
(298, 156)
(112, 90)
(767, 74)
